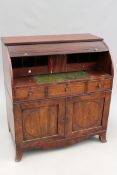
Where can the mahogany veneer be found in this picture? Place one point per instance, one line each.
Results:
(58, 89)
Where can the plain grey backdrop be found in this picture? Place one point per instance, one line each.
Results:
(40, 17)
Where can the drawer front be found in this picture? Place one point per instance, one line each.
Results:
(71, 88)
(100, 85)
(75, 88)
(56, 90)
(66, 89)
(49, 91)
(29, 93)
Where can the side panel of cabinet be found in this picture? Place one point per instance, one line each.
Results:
(39, 120)
(87, 114)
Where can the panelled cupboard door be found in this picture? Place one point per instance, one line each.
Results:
(43, 119)
(87, 113)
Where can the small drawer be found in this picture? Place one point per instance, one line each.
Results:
(75, 88)
(29, 93)
(56, 90)
(99, 85)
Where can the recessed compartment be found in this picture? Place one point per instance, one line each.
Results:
(24, 66)
(82, 61)
(34, 65)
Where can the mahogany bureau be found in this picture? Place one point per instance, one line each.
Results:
(58, 89)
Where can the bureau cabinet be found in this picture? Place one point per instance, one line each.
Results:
(58, 89)
(61, 117)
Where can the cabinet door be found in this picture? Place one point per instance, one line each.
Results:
(87, 114)
(43, 120)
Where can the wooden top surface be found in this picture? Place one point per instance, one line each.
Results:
(17, 40)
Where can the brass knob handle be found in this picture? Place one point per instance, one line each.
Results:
(66, 89)
(30, 71)
(96, 49)
(29, 94)
(46, 91)
(99, 85)
(25, 54)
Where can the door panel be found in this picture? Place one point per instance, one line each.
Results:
(86, 113)
(43, 119)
